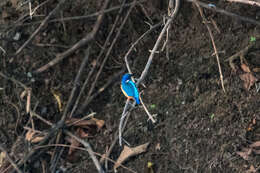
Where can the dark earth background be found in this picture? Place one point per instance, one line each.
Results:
(200, 128)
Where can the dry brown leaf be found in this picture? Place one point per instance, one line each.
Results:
(257, 69)
(245, 68)
(32, 137)
(249, 80)
(99, 123)
(251, 169)
(245, 153)
(129, 152)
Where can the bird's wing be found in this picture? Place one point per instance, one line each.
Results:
(128, 89)
(134, 88)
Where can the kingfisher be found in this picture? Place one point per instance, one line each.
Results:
(129, 88)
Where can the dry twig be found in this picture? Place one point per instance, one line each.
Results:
(10, 160)
(222, 11)
(40, 27)
(145, 71)
(213, 43)
(254, 3)
(88, 38)
(108, 52)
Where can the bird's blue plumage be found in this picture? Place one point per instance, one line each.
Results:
(129, 88)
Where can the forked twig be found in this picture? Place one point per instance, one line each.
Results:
(40, 27)
(89, 149)
(89, 37)
(145, 71)
(173, 15)
(107, 54)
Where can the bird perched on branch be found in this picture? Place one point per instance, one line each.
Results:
(129, 88)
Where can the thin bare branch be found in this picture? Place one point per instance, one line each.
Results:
(40, 27)
(173, 15)
(222, 11)
(253, 3)
(213, 43)
(89, 37)
(10, 159)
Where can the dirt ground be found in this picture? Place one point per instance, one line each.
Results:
(199, 128)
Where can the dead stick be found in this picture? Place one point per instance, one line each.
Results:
(10, 160)
(95, 65)
(158, 41)
(89, 37)
(254, 3)
(86, 144)
(148, 64)
(69, 104)
(89, 149)
(40, 27)
(136, 42)
(107, 55)
(82, 17)
(222, 11)
(213, 43)
(105, 86)
(101, 53)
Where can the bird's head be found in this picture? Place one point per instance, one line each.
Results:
(126, 77)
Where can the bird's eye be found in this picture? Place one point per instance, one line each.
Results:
(127, 80)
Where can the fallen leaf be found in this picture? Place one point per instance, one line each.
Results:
(158, 147)
(99, 123)
(32, 137)
(249, 80)
(251, 169)
(129, 152)
(257, 69)
(245, 153)
(245, 68)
